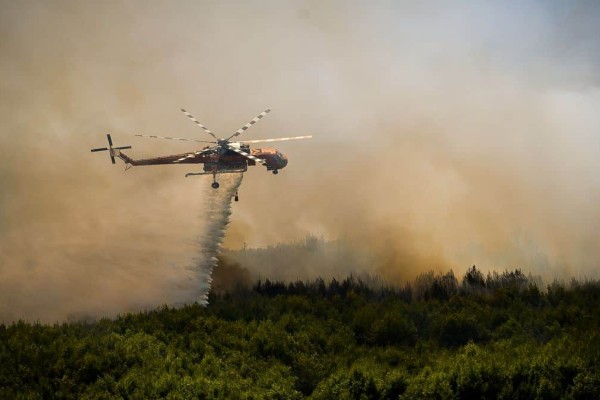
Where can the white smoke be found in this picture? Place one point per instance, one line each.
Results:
(215, 215)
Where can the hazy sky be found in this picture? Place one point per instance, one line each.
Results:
(446, 134)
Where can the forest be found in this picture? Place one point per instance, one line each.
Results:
(476, 336)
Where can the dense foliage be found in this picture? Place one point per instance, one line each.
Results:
(498, 336)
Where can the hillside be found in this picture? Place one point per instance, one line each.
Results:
(495, 336)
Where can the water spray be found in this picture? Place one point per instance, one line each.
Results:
(216, 212)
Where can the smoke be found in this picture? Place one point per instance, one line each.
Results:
(106, 267)
(229, 276)
(446, 135)
(450, 136)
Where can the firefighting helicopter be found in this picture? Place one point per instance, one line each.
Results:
(222, 156)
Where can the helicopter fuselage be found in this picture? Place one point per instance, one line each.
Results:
(220, 160)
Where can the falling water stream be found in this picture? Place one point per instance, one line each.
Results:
(215, 214)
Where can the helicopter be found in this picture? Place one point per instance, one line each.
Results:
(221, 156)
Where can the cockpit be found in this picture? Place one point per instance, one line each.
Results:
(281, 159)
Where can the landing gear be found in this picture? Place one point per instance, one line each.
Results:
(275, 172)
(215, 184)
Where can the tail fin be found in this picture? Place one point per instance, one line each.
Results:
(112, 151)
(126, 159)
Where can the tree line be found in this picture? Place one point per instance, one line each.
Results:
(494, 336)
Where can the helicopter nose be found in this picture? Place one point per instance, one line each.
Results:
(283, 161)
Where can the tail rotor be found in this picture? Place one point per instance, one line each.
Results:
(110, 148)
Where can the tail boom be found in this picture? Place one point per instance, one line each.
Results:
(186, 158)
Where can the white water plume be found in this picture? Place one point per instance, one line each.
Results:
(215, 215)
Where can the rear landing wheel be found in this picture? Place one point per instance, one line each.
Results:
(215, 185)
(275, 172)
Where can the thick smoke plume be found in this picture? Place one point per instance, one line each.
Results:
(446, 135)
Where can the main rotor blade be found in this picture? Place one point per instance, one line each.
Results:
(112, 158)
(122, 147)
(190, 116)
(193, 155)
(251, 157)
(249, 124)
(173, 138)
(100, 149)
(275, 139)
(109, 140)
(205, 150)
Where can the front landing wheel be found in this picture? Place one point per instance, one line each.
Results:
(215, 185)
(275, 172)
